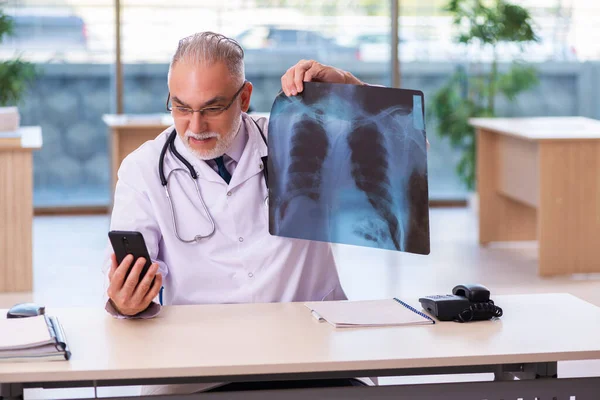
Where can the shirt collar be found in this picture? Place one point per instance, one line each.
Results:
(239, 143)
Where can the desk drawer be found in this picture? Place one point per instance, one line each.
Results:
(518, 169)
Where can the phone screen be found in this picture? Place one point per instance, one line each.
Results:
(130, 242)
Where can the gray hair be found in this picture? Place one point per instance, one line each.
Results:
(208, 48)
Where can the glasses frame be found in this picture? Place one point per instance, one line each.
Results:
(203, 110)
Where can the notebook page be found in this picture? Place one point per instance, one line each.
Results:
(386, 312)
(20, 333)
(39, 351)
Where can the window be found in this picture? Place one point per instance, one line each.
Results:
(73, 44)
(72, 48)
(275, 34)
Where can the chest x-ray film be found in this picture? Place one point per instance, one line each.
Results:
(348, 164)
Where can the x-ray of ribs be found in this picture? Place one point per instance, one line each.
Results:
(369, 169)
(304, 173)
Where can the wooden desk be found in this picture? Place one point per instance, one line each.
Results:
(128, 132)
(539, 178)
(16, 209)
(225, 343)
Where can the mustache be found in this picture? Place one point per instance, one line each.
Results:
(202, 136)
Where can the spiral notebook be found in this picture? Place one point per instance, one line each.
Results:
(363, 313)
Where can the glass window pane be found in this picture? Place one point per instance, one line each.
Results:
(72, 44)
(429, 54)
(275, 35)
(72, 47)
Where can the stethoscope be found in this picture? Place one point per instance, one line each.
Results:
(170, 145)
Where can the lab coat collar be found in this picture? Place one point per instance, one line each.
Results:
(254, 136)
(236, 149)
(250, 163)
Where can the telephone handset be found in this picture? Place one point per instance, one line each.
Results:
(466, 303)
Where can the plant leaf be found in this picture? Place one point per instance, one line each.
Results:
(6, 25)
(519, 78)
(14, 77)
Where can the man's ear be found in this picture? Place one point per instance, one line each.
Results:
(245, 96)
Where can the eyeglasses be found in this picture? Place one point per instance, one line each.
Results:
(212, 111)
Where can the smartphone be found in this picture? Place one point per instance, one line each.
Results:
(130, 242)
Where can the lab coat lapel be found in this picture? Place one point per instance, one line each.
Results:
(250, 163)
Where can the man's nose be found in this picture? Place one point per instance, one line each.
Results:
(197, 122)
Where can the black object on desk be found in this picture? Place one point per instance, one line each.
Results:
(466, 303)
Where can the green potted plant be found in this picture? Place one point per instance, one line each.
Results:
(473, 89)
(15, 74)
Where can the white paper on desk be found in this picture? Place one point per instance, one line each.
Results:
(23, 333)
(387, 312)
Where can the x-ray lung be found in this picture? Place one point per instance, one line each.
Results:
(348, 164)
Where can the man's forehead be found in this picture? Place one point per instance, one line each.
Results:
(199, 80)
(209, 72)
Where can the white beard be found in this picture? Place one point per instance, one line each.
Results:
(222, 145)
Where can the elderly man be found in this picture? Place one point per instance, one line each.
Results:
(209, 240)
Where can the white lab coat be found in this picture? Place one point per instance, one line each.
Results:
(241, 262)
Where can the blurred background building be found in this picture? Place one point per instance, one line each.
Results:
(73, 44)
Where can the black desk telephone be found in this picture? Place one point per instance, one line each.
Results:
(466, 303)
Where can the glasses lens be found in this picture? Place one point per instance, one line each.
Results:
(182, 111)
(212, 112)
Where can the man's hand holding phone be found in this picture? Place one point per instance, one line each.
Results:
(129, 295)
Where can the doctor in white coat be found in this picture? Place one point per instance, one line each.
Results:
(238, 261)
